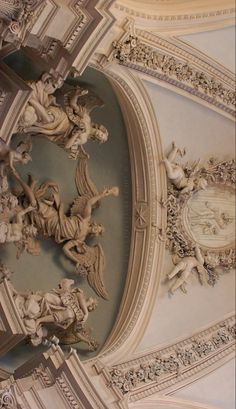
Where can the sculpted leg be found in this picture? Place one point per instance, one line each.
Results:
(179, 283)
(173, 153)
(179, 267)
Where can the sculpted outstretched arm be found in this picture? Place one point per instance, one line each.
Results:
(91, 202)
(28, 191)
(74, 101)
(21, 213)
(69, 253)
(199, 256)
(41, 111)
(83, 305)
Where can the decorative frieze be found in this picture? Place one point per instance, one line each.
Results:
(133, 52)
(172, 362)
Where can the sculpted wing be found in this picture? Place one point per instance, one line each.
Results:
(84, 184)
(90, 101)
(91, 264)
(95, 274)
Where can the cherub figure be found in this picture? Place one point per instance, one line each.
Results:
(16, 230)
(177, 175)
(62, 307)
(184, 268)
(8, 157)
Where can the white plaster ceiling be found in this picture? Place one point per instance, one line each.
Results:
(217, 44)
(204, 133)
(217, 389)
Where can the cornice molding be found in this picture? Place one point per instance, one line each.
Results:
(178, 17)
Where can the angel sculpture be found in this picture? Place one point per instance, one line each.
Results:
(69, 126)
(184, 268)
(62, 307)
(177, 175)
(73, 230)
(8, 156)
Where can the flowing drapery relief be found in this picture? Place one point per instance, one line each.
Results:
(33, 210)
(68, 123)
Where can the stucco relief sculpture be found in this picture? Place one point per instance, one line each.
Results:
(8, 156)
(63, 307)
(72, 230)
(183, 269)
(133, 50)
(67, 124)
(14, 226)
(181, 179)
(201, 212)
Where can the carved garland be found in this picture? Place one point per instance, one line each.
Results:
(166, 367)
(178, 240)
(132, 51)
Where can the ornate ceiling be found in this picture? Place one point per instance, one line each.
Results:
(154, 84)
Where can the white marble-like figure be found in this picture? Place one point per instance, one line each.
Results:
(70, 127)
(59, 307)
(8, 156)
(15, 230)
(176, 174)
(184, 268)
(37, 110)
(71, 230)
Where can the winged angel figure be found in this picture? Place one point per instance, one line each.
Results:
(72, 230)
(70, 126)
